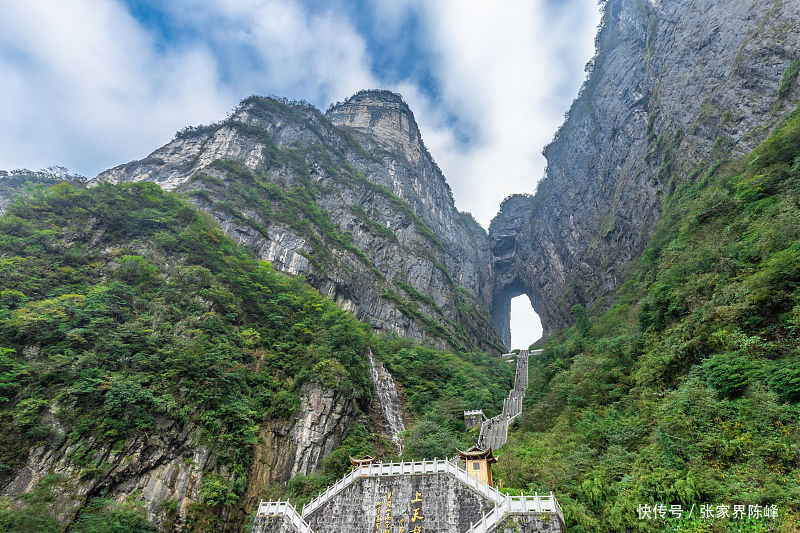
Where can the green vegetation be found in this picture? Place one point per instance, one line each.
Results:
(429, 324)
(375, 227)
(122, 306)
(98, 516)
(685, 391)
(438, 388)
(282, 190)
(23, 182)
(124, 303)
(789, 79)
(295, 206)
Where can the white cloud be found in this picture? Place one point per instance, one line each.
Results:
(83, 84)
(502, 72)
(312, 55)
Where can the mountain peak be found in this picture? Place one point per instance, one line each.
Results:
(385, 116)
(377, 97)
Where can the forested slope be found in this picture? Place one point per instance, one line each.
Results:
(153, 372)
(685, 392)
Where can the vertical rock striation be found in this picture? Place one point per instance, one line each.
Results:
(674, 87)
(352, 200)
(384, 392)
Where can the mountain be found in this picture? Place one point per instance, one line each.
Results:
(351, 200)
(684, 393)
(673, 88)
(154, 373)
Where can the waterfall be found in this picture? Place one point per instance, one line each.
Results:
(386, 392)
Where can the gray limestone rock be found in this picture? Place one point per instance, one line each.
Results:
(166, 465)
(675, 86)
(165, 469)
(352, 200)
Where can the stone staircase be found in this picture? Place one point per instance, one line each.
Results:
(494, 434)
(503, 504)
(494, 431)
(286, 509)
(516, 505)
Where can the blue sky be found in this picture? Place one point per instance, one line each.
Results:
(90, 84)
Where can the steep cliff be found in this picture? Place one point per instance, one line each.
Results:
(153, 370)
(145, 357)
(674, 87)
(351, 200)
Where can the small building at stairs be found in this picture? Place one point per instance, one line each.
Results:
(473, 419)
(478, 463)
(438, 496)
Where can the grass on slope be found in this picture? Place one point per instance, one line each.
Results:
(123, 305)
(685, 392)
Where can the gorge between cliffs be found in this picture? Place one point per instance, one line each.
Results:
(236, 315)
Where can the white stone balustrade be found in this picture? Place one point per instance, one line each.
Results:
(286, 509)
(517, 505)
(504, 504)
(494, 431)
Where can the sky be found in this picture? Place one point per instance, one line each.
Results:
(90, 84)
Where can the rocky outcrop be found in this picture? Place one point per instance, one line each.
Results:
(288, 448)
(352, 200)
(674, 87)
(383, 123)
(507, 284)
(165, 469)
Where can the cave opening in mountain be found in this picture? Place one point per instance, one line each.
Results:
(526, 326)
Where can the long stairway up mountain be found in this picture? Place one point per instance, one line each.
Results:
(494, 431)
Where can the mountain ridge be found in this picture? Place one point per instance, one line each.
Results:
(673, 88)
(411, 263)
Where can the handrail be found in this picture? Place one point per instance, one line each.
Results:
(504, 504)
(435, 466)
(517, 505)
(286, 509)
(494, 431)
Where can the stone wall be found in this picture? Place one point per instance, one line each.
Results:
(273, 524)
(444, 504)
(529, 524)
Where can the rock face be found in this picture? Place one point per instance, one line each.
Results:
(386, 400)
(352, 200)
(675, 86)
(287, 449)
(167, 467)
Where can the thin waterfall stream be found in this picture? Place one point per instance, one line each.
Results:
(389, 399)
